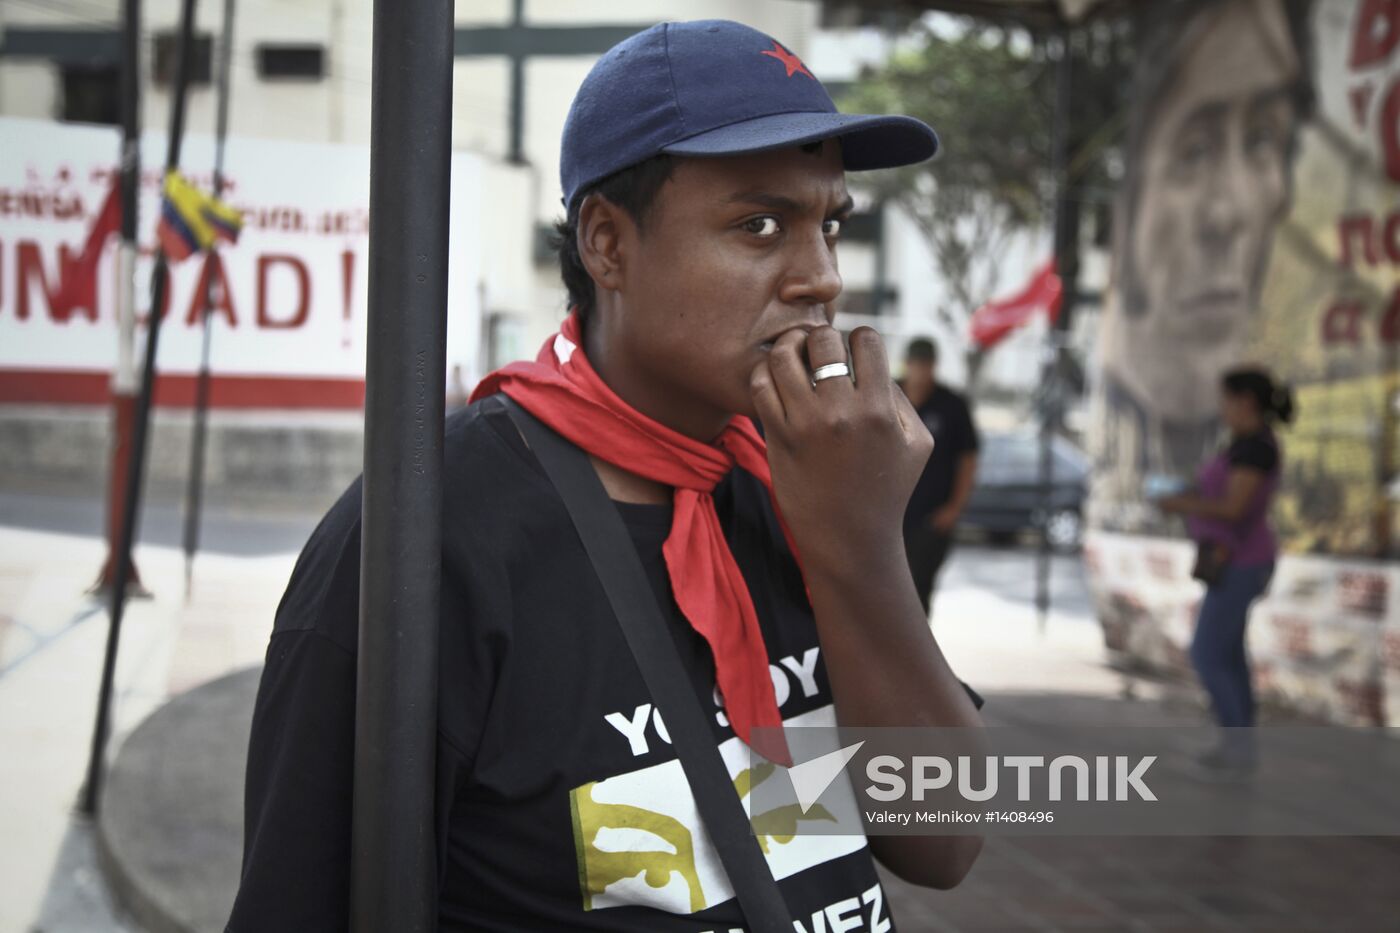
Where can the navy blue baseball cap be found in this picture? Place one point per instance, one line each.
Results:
(715, 88)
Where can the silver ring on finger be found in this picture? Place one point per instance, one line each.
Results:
(830, 371)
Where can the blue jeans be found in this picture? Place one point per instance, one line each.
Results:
(1217, 649)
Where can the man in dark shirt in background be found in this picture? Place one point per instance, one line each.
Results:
(946, 483)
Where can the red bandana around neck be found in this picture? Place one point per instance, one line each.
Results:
(563, 390)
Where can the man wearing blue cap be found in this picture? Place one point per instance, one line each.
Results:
(703, 170)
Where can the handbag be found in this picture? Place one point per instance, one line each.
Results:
(615, 560)
(1212, 557)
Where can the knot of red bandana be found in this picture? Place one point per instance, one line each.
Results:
(563, 390)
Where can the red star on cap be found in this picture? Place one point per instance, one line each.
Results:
(790, 61)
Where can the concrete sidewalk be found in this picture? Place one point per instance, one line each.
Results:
(52, 639)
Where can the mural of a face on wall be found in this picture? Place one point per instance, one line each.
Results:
(1208, 178)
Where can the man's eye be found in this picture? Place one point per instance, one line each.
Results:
(832, 227)
(762, 226)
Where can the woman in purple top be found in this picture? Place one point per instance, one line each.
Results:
(1228, 515)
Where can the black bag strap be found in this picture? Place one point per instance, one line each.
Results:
(615, 560)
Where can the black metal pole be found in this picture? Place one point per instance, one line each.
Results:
(517, 91)
(194, 489)
(1050, 389)
(131, 120)
(878, 302)
(124, 381)
(393, 863)
(131, 510)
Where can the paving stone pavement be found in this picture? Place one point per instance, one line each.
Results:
(50, 651)
(1162, 884)
(1166, 885)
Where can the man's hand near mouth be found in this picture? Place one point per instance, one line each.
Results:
(845, 454)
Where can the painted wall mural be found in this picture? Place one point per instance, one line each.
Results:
(1259, 222)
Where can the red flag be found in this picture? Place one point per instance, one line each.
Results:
(995, 319)
(78, 277)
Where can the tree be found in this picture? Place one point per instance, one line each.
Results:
(990, 92)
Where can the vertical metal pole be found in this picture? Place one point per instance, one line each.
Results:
(124, 382)
(141, 428)
(1050, 390)
(194, 489)
(335, 78)
(517, 89)
(393, 864)
(882, 279)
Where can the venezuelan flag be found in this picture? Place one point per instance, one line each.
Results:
(190, 220)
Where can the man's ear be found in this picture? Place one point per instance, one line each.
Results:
(602, 226)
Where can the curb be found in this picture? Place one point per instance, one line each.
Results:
(169, 831)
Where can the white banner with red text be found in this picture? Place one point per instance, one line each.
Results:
(288, 330)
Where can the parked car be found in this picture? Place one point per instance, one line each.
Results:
(1008, 500)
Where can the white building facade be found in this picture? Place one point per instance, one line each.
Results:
(301, 71)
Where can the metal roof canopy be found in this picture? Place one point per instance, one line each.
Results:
(1032, 14)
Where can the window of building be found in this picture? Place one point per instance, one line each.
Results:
(166, 53)
(867, 301)
(846, 14)
(505, 339)
(861, 227)
(291, 61)
(91, 94)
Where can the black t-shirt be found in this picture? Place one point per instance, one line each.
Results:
(948, 419)
(560, 804)
(1256, 451)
